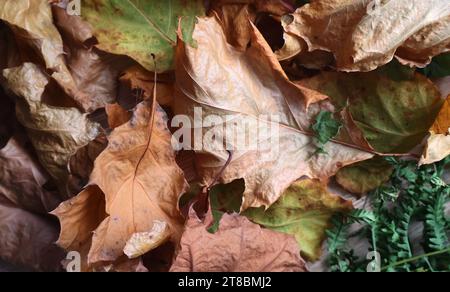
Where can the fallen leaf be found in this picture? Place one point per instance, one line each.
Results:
(438, 144)
(364, 35)
(28, 240)
(17, 165)
(141, 181)
(363, 177)
(79, 217)
(138, 29)
(235, 17)
(32, 24)
(304, 211)
(56, 133)
(238, 246)
(250, 87)
(393, 115)
(94, 72)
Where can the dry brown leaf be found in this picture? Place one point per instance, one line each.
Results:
(238, 246)
(79, 217)
(56, 133)
(251, 86)
(364, 35)
(94, 72)
(141, 182)
(32, 24)
(235, 16)
(28, 240)
(22, 179)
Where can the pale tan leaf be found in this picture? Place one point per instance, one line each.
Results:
(141, 182)
(366, 34)
(251, 86)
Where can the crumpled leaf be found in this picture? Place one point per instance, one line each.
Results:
(140, 243)
(393, 115)
(94, 72)
(305, 211)
(22, 179)
(365, 34)
(32, 24)
(142, 28)
(235, 16)
(141, 183)
(56, 133)
(366, 176)
(228, 85)
(27, 239)
(238, 246)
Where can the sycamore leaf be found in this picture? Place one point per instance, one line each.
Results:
(141, 28)
(238, 246)
(235, 17)
(364, 34)
(141, 181)
(366, 176)
(28, 239)
(17, 165)
(250, 88)
(304, 211)
(393, 115)
(56, 133)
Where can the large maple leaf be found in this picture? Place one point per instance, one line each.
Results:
(251, 87)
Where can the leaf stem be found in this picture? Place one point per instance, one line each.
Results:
(413, 259)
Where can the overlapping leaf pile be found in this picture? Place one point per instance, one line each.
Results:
(87, 102)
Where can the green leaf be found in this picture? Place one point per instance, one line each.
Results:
(305, 210)
(394, 116)
(365, 176)
(325, 129)
(439, 67)
(141, 28)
